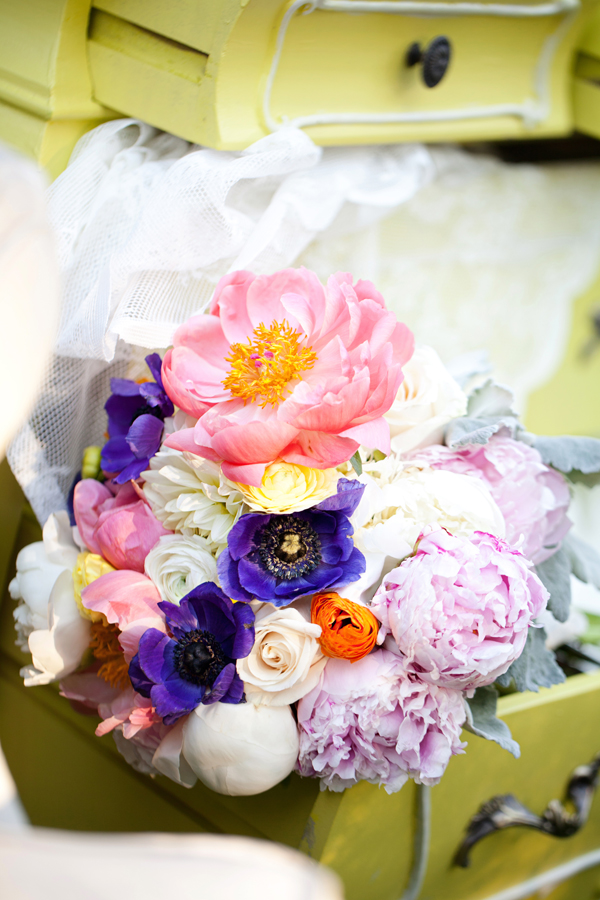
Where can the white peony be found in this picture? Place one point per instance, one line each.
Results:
(427, 400)
(190, 495)
(400, 500)
(178, 563)
(32, 584)
(240, 749)
(285, 662)
(48, 621)
(58, 649)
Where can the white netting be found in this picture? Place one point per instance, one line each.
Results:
(470, 252)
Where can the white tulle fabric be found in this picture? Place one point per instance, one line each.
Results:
(470, 252)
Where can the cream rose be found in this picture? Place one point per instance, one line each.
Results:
(286, 661)
(178, 563)
(288, 488)
(427, 400)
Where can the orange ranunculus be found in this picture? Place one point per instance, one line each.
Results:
(349, 629)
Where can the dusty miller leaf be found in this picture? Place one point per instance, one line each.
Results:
(482, 721)
(555, 575)
(535, 668)
(465, 430)
(583, 559)
(567, 453)
(491, 399)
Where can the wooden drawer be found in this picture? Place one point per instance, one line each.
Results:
(68, 778)
(226, 73)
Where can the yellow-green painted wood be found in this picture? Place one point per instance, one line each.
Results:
(557, 730)
(46, 101)
(569, 403)
(333, 62)
(194, 23)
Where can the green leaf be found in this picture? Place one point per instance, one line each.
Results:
(357, 463)
(555, 575)
(482, 721)
(535, 668)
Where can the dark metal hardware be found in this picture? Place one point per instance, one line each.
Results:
(592, 343)
(506, 811)
(435, 59)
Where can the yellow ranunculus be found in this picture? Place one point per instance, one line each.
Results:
(289, 488)
(88, 568)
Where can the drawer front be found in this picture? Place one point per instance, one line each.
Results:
(557, 731)
(338, 68)
(569, 403)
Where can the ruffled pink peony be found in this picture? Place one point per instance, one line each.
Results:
(372, 721)
(120, 527)
(532, 497)
(284, 368)
(460, 608)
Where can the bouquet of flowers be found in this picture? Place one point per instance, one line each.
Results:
(303, 547)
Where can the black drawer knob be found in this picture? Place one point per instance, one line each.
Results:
(435, 59)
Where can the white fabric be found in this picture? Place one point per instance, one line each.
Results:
(40, 864)
(470, 252)
(29, 288)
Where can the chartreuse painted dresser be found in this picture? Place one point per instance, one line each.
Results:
(225, 73)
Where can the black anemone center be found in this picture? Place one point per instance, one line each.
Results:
(199, 657)
(289, 547)
(147, 410)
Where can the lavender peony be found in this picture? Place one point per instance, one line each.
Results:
(460, 608)
(372, 721)
(532, 497)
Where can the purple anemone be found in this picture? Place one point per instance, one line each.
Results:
(197, 663)
(276, 558)
(136, 413)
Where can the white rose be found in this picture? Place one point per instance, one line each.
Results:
(178, 563)
(392, 515)
(285, 662)
(240, 749)
(426, 401)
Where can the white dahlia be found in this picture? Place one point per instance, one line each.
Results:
(190, 495)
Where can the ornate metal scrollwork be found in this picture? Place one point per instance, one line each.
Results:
(505, 811)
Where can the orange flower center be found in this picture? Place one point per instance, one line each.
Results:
(262, 368)
(105, 646)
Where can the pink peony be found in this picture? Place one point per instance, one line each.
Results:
(283, 368)
(120, 527)
(460, 608)
(532, 497)
(372, 721)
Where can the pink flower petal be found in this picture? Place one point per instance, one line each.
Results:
(123, 597)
